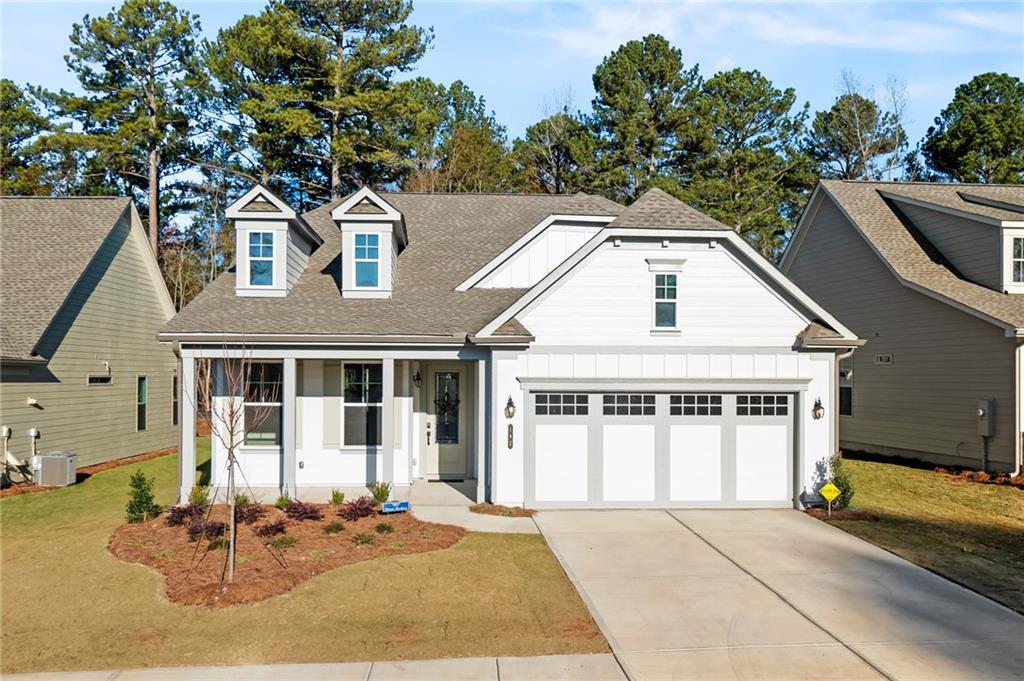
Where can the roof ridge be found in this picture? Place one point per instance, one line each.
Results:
(921, 183)
(66, 198)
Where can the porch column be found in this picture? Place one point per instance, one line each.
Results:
(387, 421)
(187, 429)
(289, 402)
(481, 431)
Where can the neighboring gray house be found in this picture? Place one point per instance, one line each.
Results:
(932, 276)
(548, 350)
(81, 300)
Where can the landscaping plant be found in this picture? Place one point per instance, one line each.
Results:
(141, 504)
(274, 527)
(380, 491)
(358, 508)
(283, 541)
(210, 529)
(841, 479)
(249, 513)
(199, 495)
(297, 510)
(282, 502)
(384, 528)
(337, 498)
(184, 514)
(242, 500)
(362, 538)
(334, 527)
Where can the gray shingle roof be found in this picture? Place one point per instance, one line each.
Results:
(864, 203)
(657, 209)
(45, 246)
(450, 237)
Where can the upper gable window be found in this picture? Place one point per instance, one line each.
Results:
(367, 260)
(665, 301)
(1018, 260)
(261, 258)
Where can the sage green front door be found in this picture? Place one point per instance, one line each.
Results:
(446, 422)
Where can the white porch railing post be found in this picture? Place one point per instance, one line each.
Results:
(187, 431)
(481, 431)
(288, 425)
(387, 421)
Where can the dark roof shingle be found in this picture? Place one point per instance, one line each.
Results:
(657, 209)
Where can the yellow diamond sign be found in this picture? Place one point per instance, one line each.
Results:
(830, 492)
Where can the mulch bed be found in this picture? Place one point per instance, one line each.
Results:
(86, 472)
(983, 477)
(506, 511)
(842, 514)
(193, 571)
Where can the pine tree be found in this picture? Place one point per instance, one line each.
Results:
(21, 170)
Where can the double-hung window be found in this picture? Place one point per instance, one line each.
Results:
(261, 258)
(665, 301)
(363, 395)
(367, 260)
(141, 400)
(1018, 260)
(262, 414)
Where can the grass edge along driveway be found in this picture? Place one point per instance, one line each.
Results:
(67, 603)
(968, 532)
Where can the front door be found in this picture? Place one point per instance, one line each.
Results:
(446, 423)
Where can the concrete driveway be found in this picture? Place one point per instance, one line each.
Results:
(773, 595)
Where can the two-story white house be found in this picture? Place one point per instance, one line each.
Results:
(546, 350)
(932, 277)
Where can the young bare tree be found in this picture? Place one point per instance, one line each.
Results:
(242, 396)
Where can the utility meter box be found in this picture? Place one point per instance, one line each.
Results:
(54, 469)
(986, 418)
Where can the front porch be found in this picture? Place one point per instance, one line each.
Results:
(308, 425)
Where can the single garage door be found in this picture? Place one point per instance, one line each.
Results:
(637, 449)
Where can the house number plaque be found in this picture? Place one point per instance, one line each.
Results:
(510, 436)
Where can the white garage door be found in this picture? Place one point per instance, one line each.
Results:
(683, 449)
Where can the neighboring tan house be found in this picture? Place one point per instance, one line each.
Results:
(932, 277)
(547, 350)
(81, 301)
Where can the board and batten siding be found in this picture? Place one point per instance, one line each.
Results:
(547, 250)
(924, 404)
(972, 247)
(111, 315)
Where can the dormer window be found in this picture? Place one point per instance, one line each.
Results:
(367, 260)
(261, 258)
(1018, 260)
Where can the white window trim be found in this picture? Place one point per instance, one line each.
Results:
(1014, 259)
(245, 429)
(655, 329)
(138, 404)
(346, 403)
(376, 261)
(249, 259)
(1009, 285)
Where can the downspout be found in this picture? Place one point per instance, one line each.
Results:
(840, 356)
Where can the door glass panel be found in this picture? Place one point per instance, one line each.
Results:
(446, 406)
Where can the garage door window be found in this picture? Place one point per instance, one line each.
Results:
(762, 405)
(629, 405)
(695, 405)
(564, 404)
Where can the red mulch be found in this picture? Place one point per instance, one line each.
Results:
(983, 477)
(193, 572)
(498, 509)
(842, 514)
(83, 474)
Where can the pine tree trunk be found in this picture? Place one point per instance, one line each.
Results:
(154, 199)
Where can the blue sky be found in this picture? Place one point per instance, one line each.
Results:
(528, 58)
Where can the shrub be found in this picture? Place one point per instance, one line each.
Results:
(841, 479)
(249, 513)
(218, 543)
(283, 541)
(358, 508)
(282, 502)
(211, 529)
(363, 538)
(334, 527)
(274, 527)
(380, 491)
(141, 505)
(242, 500)
(337, 498)
(199, 496)
(384, 528)
(296, 510)
(184, 515)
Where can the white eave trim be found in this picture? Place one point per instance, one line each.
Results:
(766, 269)
(456, 339)
(525, 239)
(285, 213)
(341, 211)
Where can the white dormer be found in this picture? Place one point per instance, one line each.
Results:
(272, 244)
(372, 235)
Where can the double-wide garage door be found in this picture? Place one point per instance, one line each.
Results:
(633, 449)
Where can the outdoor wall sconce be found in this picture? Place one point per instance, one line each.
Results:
(417, 380)
(510, 408)
(818, 411)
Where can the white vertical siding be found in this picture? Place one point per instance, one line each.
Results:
(543, 254)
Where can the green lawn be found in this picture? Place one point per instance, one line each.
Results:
(969, 532)
(67, 603)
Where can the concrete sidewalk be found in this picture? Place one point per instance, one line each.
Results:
(773, 595)
(543, 668)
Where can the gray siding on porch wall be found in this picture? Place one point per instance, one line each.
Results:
(945, 360)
